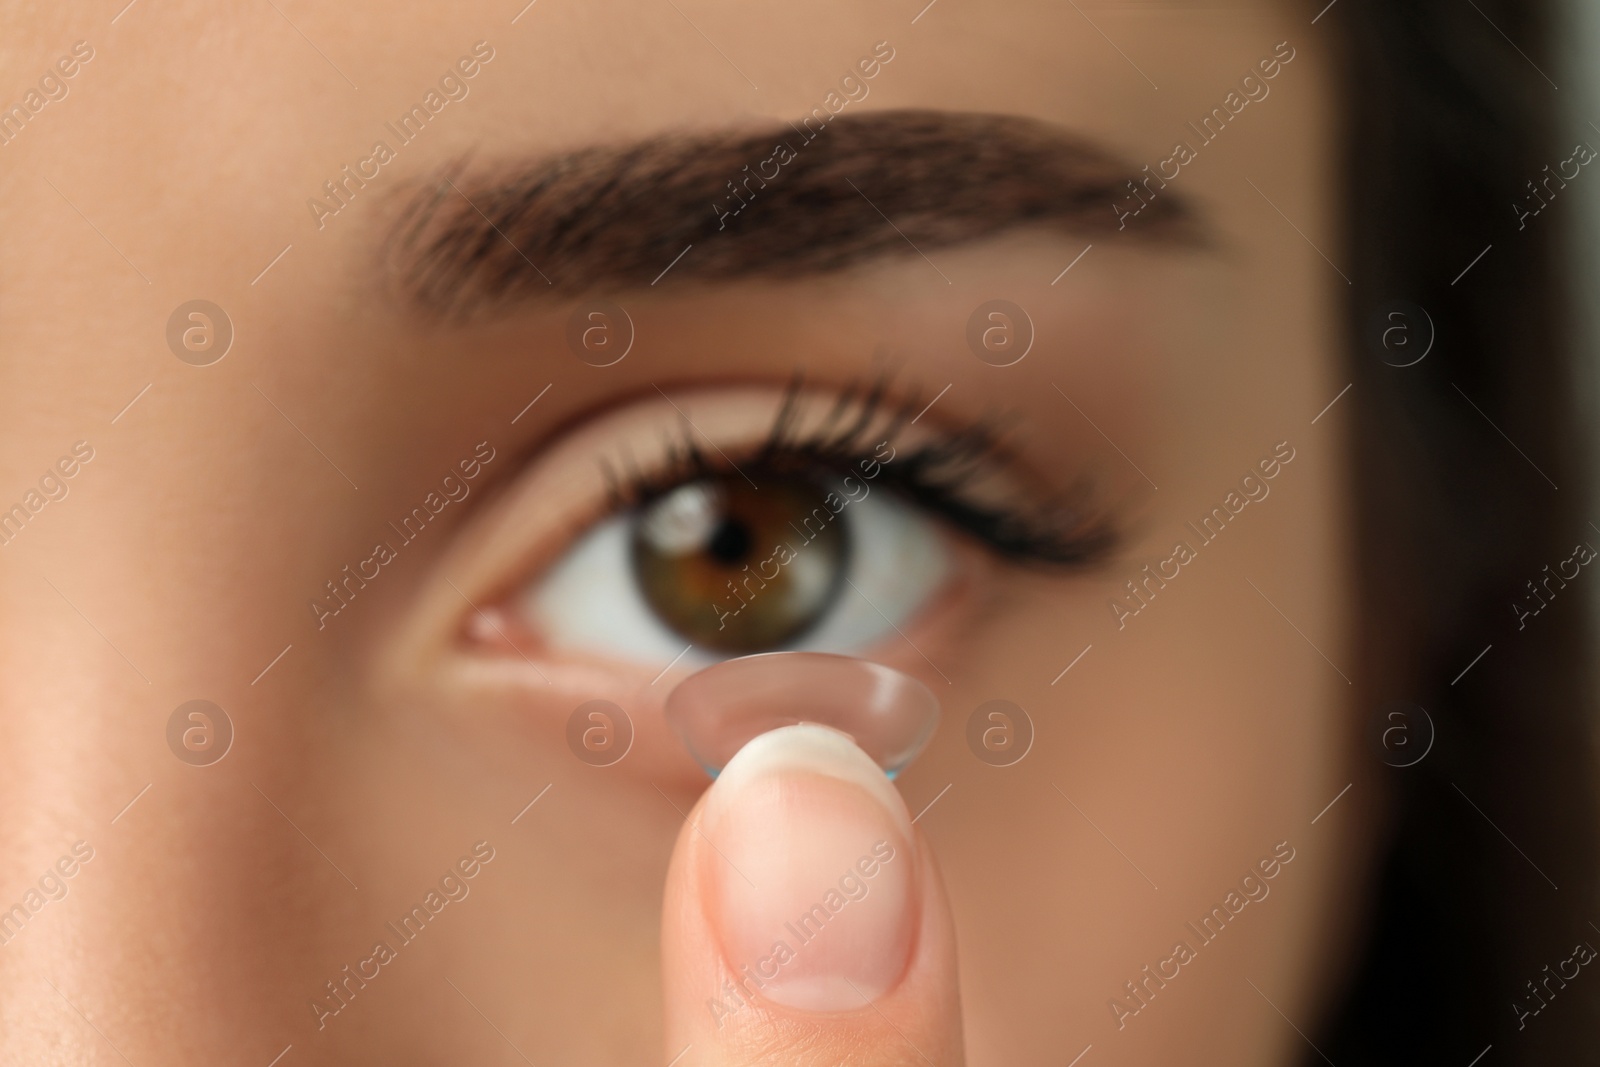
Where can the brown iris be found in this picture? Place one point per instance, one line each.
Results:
(739, 569)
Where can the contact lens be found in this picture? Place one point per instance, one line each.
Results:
(716, 711)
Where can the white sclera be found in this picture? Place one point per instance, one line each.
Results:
(716, 711)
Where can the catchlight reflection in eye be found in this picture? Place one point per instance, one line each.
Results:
(731, 568)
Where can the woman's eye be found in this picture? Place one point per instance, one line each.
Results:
(731, 565)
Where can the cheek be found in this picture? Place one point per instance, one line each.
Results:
(1223, 722)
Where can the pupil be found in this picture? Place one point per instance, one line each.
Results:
(730, 542)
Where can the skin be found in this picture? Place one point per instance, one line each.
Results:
(367, 761)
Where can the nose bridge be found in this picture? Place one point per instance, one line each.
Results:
(167, 795)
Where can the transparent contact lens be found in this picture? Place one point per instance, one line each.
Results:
(716, 711)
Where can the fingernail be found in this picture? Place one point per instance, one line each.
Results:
(811, 881)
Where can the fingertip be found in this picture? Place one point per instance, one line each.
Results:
(803, 911)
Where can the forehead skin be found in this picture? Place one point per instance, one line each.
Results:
(178, 167)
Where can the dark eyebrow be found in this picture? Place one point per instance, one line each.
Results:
(776, 203)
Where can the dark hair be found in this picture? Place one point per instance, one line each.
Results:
(1456, 461)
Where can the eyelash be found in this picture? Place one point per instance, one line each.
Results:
(1062, 531)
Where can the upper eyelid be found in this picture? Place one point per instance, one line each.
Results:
(510, 536)
(1010, 528)
(637, 489)
(516, 531)
(856, 403)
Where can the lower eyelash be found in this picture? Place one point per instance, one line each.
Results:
(939, 475)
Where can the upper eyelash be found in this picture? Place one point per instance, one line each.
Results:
(1062, 530)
